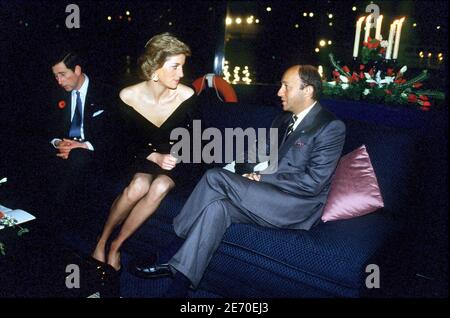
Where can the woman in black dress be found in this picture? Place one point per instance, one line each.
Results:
(152, 108)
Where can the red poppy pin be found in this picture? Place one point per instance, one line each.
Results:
(61, 104)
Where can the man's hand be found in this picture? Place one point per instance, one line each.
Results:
(166, 162)
(252, 176)
(66, 145)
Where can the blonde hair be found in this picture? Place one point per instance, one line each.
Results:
(157, 50)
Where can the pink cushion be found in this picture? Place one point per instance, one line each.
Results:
(354, 188)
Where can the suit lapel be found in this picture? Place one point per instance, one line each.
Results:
(307, 122)
(66, 116)
(88, 110)
(282, 129)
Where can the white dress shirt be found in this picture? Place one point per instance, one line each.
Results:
(83, 92)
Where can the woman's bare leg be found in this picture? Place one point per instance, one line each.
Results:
(121, 208)
(146, 206)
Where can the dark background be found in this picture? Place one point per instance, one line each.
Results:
(32, 31)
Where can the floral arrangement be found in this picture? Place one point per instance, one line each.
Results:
(379, 80)
(6, 221)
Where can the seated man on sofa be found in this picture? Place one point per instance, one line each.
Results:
(80, 130)
(293, 197)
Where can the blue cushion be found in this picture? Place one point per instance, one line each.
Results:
(332, 254)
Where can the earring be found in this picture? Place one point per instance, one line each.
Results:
(155, 77)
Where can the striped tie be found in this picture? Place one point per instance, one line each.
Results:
(290, 127)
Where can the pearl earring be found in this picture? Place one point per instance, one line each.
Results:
(155, 77)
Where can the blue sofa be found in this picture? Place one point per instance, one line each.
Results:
(327, 261)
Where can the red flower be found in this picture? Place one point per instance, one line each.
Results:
(417, 85)
(388, 91)
(371, 71)
(354, 77)
(361, 67)
(426, 104)
(361, 75)
(346, 69)
(2, 215)
(336, 76)
(412, 98)
(372, 84)
(400, 81)
(373, 44)
(61, 104)
(389, 71)
(423, 97)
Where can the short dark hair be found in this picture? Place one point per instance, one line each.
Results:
(310, 76)
(69, 58)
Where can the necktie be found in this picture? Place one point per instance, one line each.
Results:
(290, 127)
(75, 126)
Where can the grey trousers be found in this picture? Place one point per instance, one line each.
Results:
(210, 209)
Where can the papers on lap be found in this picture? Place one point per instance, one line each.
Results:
(20, 215)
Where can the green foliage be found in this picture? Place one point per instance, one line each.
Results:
(7, 221)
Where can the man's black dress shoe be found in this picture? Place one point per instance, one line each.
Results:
(152, 271)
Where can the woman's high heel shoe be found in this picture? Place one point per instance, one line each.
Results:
(109, 279)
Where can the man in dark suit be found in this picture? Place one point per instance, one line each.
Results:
(292, 197)
(81, 131)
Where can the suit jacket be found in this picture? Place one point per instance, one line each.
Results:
(294, 196)
(100, 118)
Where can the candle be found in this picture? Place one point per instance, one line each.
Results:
(368, 25)
(391, 39)
(320, 70)
(378, 28)
(397, 38)
(357, 36)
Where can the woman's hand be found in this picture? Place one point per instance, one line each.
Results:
(166, 162)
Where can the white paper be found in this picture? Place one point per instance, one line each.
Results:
(4, 209)
(20, 215)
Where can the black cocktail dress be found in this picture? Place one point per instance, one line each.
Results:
(143, 138)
